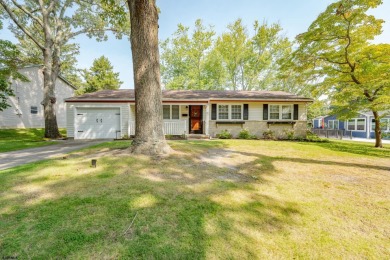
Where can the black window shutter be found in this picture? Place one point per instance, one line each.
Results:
(295, 111)
(246, 111)
(265, 111)
(214, 112)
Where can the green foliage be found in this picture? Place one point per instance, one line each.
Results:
(337, 48)
(188, 62)
(9, 62)
(312, 137)
(99, 77)
(245, 134)
(225, 134)
(269, 135)
(66, 20)
(317, 108)
(290, 134)
(234, 60)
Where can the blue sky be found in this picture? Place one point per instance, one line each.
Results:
(294, 16)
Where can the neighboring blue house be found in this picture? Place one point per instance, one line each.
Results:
(318, 122)
(361, 126)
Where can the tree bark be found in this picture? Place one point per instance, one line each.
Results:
(378, 131)
(149, 136)
(49, 99)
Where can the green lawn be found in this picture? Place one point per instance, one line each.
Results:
(230, 199)
(16, 139)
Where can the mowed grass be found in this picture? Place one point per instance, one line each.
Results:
(231, 199)
(16, 139)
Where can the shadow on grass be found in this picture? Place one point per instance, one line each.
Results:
(354, 148)
(63, 208)
(139, 207)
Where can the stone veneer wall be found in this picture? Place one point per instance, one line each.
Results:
(258, 127)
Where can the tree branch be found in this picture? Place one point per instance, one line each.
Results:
(378, 89)
(21, 27)
(346, 53)
(87, 30)
(332, 61)
(30, 14)
(63, 9)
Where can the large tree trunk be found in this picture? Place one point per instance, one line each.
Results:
(149, 136)
(378, 131)
(50, 74)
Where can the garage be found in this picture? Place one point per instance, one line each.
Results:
(97, 123)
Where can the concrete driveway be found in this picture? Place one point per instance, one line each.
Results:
(20, 157)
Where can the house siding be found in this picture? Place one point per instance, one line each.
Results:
(29, 94)
(257, 126)
(367, 133)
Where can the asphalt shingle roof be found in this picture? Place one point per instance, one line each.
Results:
(204, 95)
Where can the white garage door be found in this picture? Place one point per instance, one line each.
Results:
(96, 123)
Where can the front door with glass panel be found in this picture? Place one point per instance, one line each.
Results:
(196, 120)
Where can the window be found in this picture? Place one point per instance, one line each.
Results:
(223, 111)
(166, 112)
(175, 112)
(230, 112)
(286, 112)
(278, 112)
(274, 111)
(34, 110)
(356, 124)
(351, 125)
(171, 112)
(236, 112)
(333, 124)
(361, 123)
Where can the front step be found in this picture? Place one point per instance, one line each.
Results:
(197, 136)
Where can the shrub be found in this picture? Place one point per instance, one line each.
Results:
(244, 134)
(269, 135)
(312, 137)
(289, 134)
(225, 134)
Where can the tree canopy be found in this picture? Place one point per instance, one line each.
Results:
(337, 56)
(233, 60)
(99, 77)
(51, 25)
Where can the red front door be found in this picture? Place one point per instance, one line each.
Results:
(196, 119)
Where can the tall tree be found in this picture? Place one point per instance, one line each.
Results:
(235, 60)
(234, 47)
(188, 61)
(100, 76)
(268, 48)
(9, 62)
(149, 135)
(31, 54)
(354, 72)
(50, 25)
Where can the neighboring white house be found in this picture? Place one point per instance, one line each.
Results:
(111, 113)
(26, 110)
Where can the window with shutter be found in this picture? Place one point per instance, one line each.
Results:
(265, 111)
(214, 112)
(246, 111)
